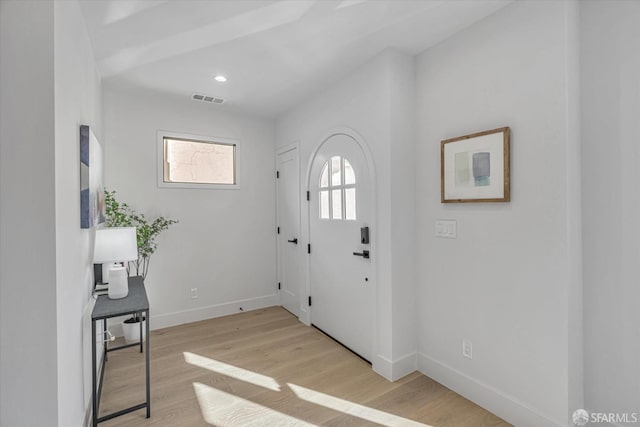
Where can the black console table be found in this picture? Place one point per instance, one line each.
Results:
(134, 303)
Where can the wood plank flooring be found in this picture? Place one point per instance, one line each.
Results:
(265, 368)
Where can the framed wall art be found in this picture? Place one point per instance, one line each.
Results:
(91, 189)
(475, 168)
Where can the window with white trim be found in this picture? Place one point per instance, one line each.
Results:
(196, 162)
(337, 190)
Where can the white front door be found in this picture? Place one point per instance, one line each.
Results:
(288, 189)
(342, 291)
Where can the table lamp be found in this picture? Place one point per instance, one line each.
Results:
(114, 246)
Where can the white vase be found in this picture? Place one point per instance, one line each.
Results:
(132, 331)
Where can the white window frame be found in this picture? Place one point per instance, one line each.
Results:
(342, 187)
(162, 134)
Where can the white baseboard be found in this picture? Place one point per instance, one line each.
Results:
(404, 366)
(88, 412)
(493, 400)
(218, 310)
(305, 316)
(88, 417)
(167, 320)
(394, 370)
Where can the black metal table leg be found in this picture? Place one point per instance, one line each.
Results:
(141, 320)
(104, 338)
(93, 374)
(147, 366)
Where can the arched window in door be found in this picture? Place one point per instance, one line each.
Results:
(338, 190)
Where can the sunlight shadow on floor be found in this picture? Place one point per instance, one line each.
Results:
(231, 371)
(220, 408)
(353, 409)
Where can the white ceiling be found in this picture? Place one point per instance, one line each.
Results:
(274, 53)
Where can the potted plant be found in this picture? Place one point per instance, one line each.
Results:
(120, 214)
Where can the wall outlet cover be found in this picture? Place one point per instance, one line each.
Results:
(467, 349)
(447, 228)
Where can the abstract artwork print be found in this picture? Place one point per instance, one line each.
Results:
(91, 188)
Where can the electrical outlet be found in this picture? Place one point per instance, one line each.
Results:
(194, 293)
(467, 349)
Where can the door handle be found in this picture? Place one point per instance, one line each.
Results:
(364, 254)
(294, 241)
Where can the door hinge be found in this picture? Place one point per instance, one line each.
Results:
(309, 301)
(308, 196)
(277, 174)
(278, 285)
(309, 248)
(278, 230)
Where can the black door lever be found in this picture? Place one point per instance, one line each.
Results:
(294, 241)
(364, 254)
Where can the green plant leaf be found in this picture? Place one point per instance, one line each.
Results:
(119, 214)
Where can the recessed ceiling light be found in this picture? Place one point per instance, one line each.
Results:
(220, 78)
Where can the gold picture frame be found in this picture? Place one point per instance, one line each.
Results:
(475, 168)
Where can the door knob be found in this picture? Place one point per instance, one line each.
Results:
(364, 254)
(294, 241)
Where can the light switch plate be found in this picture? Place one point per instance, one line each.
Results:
(446, 228)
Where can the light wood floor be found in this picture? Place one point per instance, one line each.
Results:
(265, 368)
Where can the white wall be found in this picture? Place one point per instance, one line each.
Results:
(507, 282)
(78, 102)
(610, 42)
(224, 244)
(363, 102)
(403, 207)
(28, 372)
(511, 282)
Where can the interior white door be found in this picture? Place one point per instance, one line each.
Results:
(340, 273)
(288, 206)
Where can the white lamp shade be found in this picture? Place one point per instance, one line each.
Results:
(115, 244)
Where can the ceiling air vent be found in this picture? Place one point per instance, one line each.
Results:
(207, 98)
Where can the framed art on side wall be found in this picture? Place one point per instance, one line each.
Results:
(475, 168)
(91, 189)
